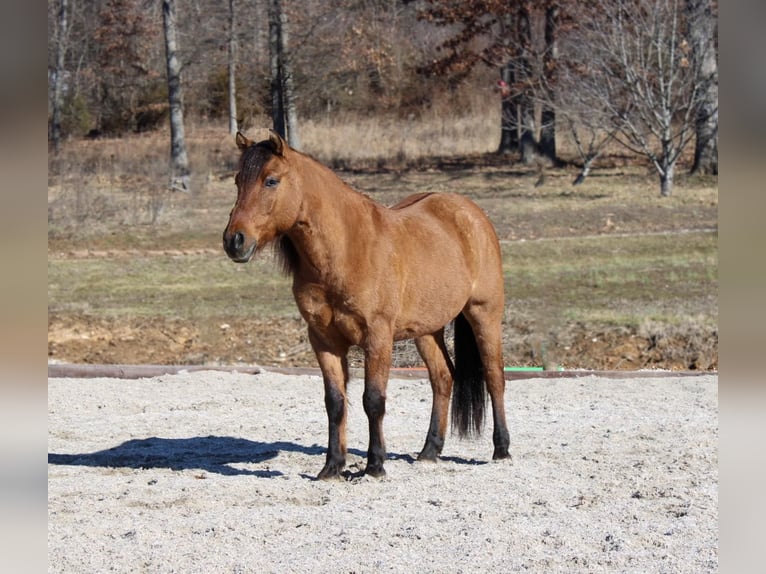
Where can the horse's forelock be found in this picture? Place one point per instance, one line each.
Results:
(252, 160)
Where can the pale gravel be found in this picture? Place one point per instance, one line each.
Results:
(213, 472)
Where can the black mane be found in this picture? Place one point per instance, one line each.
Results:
(287, 255)
(252, 160)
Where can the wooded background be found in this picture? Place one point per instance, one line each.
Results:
(641, 74)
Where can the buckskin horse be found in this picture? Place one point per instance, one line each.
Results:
(366, 275)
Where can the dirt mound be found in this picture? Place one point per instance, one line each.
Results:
(284, 342)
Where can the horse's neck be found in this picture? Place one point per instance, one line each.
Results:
(328, 229)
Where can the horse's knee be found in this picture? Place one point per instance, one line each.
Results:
(335, 403)
(374, 402)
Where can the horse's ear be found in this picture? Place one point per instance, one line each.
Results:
(277, 143)
(242, 142)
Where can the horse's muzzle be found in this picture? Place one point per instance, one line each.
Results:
(234, 245)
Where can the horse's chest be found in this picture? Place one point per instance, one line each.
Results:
(329, 316)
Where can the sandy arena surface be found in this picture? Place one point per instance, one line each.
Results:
(214, 472)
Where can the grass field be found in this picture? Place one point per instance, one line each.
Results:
(604, 275)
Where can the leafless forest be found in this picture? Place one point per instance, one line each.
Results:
(513, 103)
(638, 74)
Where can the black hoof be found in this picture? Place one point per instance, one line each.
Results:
(501, 453)
(331, 472)
(432, 449)
(428, 454)
(376, 471)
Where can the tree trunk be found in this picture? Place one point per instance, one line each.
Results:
(288, 88)
(585, 171)
(509, 119)
(666, 170)
(702, 24)
(509, 106)
(233, 127)
(548, 133)
(277, 109)
(58, 79)
(178, 158)
(527, 142)
(666, 181)
(548, 115)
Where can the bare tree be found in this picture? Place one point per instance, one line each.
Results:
(61, 39)
(526, 79)
(232, 69)
(288, 92)
(641, 77)
(277, 87)
(509, 111)
(500, 35)
(550, 57)
(575, 92)
(579, 111)
(126, 62)
(590, 137)
(179, 160)
(702, 33)
(284, 111)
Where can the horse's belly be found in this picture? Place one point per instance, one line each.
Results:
(427, 310)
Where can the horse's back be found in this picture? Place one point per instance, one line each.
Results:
(452, 218)
(451, 250)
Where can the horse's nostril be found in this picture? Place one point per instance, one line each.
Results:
(234, 244)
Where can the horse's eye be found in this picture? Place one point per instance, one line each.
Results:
(271, 181)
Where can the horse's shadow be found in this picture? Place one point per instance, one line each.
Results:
(214, 454)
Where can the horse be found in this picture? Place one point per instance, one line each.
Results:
(366, 275)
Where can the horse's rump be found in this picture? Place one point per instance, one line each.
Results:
(450, 249)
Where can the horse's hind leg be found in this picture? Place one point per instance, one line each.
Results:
(440, 372)
(488, 331)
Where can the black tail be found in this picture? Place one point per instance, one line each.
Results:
(468, 393)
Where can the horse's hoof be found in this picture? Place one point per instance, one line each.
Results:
(330, 472)
(375, 471)
(428, 456)
(501, 453)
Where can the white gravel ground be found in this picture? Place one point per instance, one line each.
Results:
(214, 472)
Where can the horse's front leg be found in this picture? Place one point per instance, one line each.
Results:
(376, 368)
(334, 367)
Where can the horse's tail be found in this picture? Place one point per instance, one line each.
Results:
(468, 393)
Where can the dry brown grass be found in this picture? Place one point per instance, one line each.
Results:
(342, 142)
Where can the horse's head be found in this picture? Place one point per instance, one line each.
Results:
(267, 203)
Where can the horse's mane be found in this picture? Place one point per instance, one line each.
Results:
(287, 255)
(252, 160)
